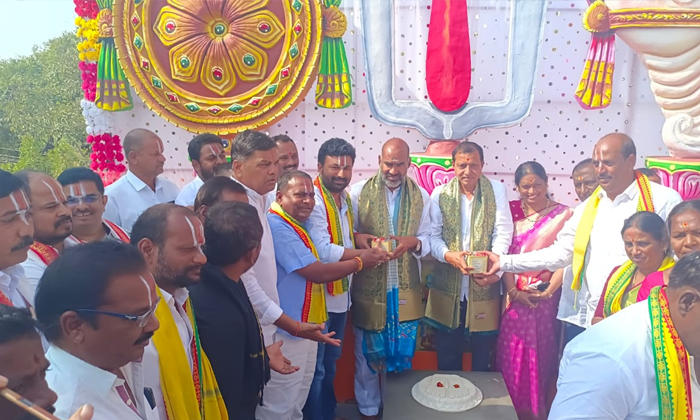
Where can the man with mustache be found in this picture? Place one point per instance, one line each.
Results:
(85, 196)
(393, 207)
(170, 238)
(141, 187)
(23, 366)
(288, 154)
(301, 279)
(254, 157)
(572, 305)
(590, 240)
(207, 155)
(469, 214)
(17, 230)
(96, 306)
(53, 225)
(331, 228)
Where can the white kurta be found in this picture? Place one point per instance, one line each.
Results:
(34, 268)
(11, 280)
(129, 196)
(261, 280)
(607, 372)
(605, 248)
(500, 237)
(78, 383)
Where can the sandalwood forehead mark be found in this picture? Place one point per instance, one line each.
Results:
(54, 193)
(148, 288)
(215, 151)
(197, 242)
(21, 212)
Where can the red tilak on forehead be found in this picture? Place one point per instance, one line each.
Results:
(685, 227)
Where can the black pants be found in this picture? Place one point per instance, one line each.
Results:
(450, 346)
(571, 331)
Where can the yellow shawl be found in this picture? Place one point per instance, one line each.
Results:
(188, 395)
(583, 232)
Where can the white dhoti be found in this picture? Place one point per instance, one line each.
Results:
(285, 395)
(369, 386)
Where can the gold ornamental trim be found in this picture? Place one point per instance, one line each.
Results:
(598, 18)
(335, 23)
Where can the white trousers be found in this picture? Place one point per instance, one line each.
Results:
(285, 395)
(369, 386)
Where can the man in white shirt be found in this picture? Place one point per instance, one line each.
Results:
(53, 224)
(96, 306)
(615, 369)
(331, 228)
(141, 187)
(254, 159)
(469, 214)
(17, 230)
(170, 238)
(392, 206)
(572, 305)
(23, 366)
(207, 156)
(618, 198)
(85, 197)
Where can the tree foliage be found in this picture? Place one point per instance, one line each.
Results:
(40, 114)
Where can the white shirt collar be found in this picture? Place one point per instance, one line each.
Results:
(9, 279)
(100, 380)
(137, 183)
(180, 296)
(629, 192)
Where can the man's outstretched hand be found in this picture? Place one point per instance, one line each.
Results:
(314, 332)
(278, 362)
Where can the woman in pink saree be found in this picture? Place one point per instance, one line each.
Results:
(527, 350)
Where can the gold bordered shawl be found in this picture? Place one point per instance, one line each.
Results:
(369, 292)
(483, 310)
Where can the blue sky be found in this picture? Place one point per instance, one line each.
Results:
(26, 23)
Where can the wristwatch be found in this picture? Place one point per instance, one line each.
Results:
(418, 247)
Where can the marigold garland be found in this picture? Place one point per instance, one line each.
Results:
(107, 156)
(89, 47)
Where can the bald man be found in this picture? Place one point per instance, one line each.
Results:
(591, 239)
(141, 187)
(53, 225)
(388, 205)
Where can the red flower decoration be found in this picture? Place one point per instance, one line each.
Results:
(88, 73)
(87, 9)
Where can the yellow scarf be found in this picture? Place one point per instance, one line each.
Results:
(620, 279)
(314, 309)
(583, 232)
(335, 229)
(671, 361)
(187, 395)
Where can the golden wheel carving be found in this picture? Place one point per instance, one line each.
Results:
(219, 66)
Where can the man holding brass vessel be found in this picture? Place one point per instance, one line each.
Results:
(469, 215)
(393, 213)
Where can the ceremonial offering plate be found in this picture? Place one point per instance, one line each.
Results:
(383, 243)
(447, 393)
(478, 261)
(219, 66)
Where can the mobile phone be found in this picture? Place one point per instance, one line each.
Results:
(543, 286)
(27, 405)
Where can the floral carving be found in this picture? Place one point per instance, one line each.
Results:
(218, 42)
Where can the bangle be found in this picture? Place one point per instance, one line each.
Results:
(360, 265)
(296, 334)
(517, 295)
(511, 290)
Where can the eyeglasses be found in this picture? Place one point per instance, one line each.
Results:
(87, 199)
(141, 320)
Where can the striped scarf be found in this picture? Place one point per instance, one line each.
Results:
(619, 281)
(335, 229)
(670, 361)
(314, 309)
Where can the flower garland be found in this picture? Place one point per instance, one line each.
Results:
(107, 156)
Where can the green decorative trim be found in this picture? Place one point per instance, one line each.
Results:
(442, 161)
(672, 166)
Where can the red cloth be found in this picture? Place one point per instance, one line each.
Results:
(652, 280)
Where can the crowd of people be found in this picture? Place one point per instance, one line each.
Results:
(229, 299)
